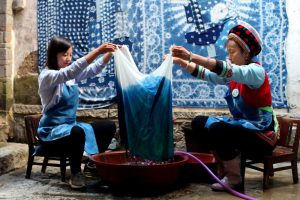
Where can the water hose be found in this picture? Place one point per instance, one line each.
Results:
(229, 189)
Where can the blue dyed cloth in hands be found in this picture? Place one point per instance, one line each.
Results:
(145, 107)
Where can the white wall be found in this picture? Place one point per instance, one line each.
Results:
(293, 55)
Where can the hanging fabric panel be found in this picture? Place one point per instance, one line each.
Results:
(145, 107)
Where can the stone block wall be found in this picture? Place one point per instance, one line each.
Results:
(18, 37)
(25, 90)
(6, 72)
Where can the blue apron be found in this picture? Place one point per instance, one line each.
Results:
(58, 121)
(256, 119)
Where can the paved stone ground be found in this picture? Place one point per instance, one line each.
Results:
(12, 156)
(13, 185)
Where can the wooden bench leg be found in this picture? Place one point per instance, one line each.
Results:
(295, 170)
(268, 170)
(63, 169)
(45, 163)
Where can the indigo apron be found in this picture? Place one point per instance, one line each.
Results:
(58, 121)
(256, 119)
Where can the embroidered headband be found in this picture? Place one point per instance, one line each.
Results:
(247, 37)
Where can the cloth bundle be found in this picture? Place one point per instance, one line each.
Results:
(145, 107)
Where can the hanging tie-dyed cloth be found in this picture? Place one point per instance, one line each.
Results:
(145, 107)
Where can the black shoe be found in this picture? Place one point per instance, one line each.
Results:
(90, 170)
(77, 181)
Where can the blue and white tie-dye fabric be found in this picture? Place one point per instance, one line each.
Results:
(145, 107)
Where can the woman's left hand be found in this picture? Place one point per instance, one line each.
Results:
(176, 60)
(107, 47)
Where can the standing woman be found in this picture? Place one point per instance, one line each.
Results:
(58, 129)
(253, 125)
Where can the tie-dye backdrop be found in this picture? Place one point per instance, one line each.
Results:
(150, 27)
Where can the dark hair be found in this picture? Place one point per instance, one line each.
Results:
(57, 45)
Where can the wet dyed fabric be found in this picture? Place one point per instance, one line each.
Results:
(145, 107)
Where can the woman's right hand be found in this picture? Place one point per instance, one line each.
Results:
(180, 52)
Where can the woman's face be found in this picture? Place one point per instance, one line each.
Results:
(236, 55)
(64, 58)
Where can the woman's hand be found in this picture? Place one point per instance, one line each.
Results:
(107, 47)
(107, 57)
(182, 63)
(180, 52)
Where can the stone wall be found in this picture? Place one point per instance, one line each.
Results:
(6, 72)
(18, 40)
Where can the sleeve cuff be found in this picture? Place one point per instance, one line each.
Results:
(195, 72)
(219, 67)
(199, 72)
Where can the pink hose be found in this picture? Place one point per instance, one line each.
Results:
(230, 190)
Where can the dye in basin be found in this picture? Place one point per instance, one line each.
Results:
(115, 169)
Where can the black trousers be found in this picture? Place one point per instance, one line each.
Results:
(73, 145)
(228, 140)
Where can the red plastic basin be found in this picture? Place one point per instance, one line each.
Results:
(117, 170)
(195, 172)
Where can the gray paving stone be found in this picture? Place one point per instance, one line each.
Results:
(12, 156)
